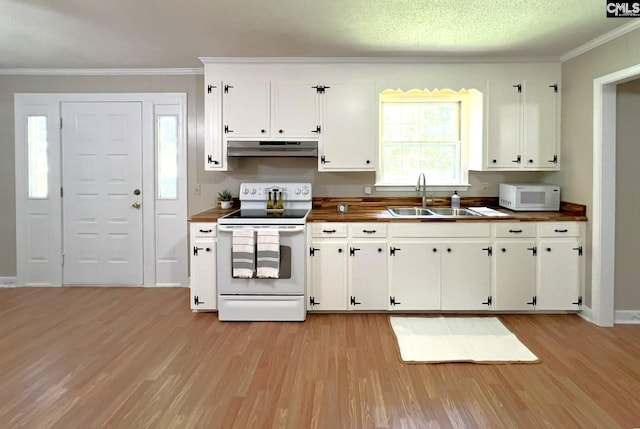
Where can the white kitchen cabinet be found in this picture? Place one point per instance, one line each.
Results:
(466, 275)
(514, 275)
(522, 127)
(348, 141)
(203, 296)
(327, 266)
(246, 109)
(368, 266)
(514, 266)
(295, 110)
(560, 266)
(215, 154)
(414, 274)
(327, 289)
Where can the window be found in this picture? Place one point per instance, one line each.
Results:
(167, 148)
(424, 132)
(38, 164)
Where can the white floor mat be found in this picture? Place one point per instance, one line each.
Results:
(458, 339)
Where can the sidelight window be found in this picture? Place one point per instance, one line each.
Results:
(167, 150)
(38, 164)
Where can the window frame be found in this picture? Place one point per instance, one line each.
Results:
(470, 126)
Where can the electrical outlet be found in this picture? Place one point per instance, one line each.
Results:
(485, 187)
(198, 189)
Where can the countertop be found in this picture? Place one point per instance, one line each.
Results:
(375, 210)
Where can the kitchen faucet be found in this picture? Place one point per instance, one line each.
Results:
(422, 180)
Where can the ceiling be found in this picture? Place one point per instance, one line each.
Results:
(173, 34)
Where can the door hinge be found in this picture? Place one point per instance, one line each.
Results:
(554, 86)
(392, 301)
(61, 192)
(353, 301)
(196, 300)
(554, 160)
(320, 88)
(60, 123)
(63, 259)
(317, 130)
(210, 160)
(323, 160)
(210, 88)
(353, 250)
(312, 301)
(312, 251)
(579, 249)
(226, 88)
(534, 250)
(579, 302)
(489, 301)
(519, 86)
(393, 250)
(489, 250)
(534, 301)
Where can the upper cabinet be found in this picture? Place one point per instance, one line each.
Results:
(245, 110)
(522, 127)
(349, 139)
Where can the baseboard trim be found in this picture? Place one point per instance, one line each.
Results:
(7, 282)
(627, 317)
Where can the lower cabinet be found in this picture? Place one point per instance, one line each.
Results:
(203, 245)
(474, 266)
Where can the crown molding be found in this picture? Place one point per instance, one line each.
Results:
(375, 60)
(598, 41)
(103, 72)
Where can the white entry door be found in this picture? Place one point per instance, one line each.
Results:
(102, 193)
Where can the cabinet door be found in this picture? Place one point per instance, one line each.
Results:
(465, 276)
(540, 125)
(504, 125)
(514, 275)
(295, 111)
(414, 276)
(558, 286)
(203, 275)
(368, 275)
(215, 156)
(245, 109)
(328, 276)
(348, 141)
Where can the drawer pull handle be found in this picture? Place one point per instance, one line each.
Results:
(561, 230)
(515, 231)
(369, 231)
(329, 231)
(206, 231)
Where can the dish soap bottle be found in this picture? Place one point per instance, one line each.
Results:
(455, 200)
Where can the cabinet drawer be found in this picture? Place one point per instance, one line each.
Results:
(330, 229)
(203, 230)
(366, 230)
(559, 229)
(515, 229)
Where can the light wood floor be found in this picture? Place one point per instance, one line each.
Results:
(131, 357)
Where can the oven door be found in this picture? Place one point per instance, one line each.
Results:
(292, 280)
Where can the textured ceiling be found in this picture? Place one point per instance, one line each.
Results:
(162, 33)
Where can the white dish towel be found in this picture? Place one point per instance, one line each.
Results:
(268, 254)
(243, 253)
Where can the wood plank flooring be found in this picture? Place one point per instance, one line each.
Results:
(139, 358)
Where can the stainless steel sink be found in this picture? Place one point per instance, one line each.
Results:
(448, 211)
(431, 212)
(409, 211)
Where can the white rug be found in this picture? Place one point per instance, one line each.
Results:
(457, 339)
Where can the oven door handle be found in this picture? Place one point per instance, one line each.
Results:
(282, 229)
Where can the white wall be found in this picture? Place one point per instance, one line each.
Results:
(576, 176)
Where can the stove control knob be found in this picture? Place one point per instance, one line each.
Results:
(305, 191)
(253, 191)
(245, 191)
(298, 190)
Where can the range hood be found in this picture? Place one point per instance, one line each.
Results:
(272, 148)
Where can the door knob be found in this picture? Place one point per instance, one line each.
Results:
(136, 205)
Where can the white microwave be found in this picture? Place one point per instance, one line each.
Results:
(529, 197)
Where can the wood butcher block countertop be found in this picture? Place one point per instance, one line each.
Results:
(375, 210)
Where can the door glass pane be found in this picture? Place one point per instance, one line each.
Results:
(37, 153)
(167, 148)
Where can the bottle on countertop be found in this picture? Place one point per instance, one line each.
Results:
(455, 200)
